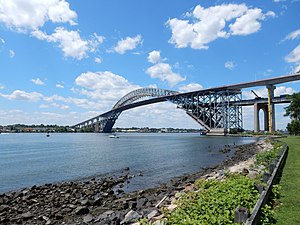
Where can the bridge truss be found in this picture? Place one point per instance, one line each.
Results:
(211, 109)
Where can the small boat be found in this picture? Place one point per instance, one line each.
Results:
(203, 133)
(113, 136)
(48, 135)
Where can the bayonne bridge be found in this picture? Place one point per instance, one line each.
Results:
(217, 109)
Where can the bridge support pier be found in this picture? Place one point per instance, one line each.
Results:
(271, 108)
(269, 112)
(257, 108)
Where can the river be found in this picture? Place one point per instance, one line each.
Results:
(34, 159)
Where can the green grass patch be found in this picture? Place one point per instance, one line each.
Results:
(215, 201)
(289, 211)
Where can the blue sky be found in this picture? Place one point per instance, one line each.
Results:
(62, 62)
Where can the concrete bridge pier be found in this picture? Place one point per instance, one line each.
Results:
(257, 108)
(269, 112)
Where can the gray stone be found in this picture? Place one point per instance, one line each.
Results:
(241, 214)
(97, 201)
(81, 210)
(131, 217)
(152, 214)
(84, 202)
(106, 214)
(88, 218)
(26, 215)
(3, 208)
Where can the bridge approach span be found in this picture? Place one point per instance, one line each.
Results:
(213, 108)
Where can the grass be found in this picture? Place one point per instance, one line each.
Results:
(289, 211)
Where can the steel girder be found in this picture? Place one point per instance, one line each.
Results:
(213, 109)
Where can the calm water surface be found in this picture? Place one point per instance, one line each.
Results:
(34, 159)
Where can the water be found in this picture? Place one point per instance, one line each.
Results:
(34, 159)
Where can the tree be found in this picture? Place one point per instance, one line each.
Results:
(293, 110)
(294, 127)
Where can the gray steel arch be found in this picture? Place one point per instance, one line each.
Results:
(135, 95)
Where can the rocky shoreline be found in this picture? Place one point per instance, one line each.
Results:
(101, 200)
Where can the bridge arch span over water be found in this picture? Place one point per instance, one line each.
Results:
(211, 109)
(216, 109)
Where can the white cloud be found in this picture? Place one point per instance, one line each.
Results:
(61, 106)
(249, 22)
(1, 87)
(129, 43)
(104, 86)
(95, 41)
(23, 95)
(59, 86)
(154, 57)
(98, 60)
(2, 40)
(70, 42)
(294, 57)
(191, 87)
(29, 15)
(293, 35)
(230, 65)
(209, 24)
(38, 81)
(164, 114)
(263, 92)
(16, 116)
(163, 71)
(12, 54)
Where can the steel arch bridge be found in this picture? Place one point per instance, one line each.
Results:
(216, 109)
(211, 109)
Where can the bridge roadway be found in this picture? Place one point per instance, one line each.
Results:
(200, 105)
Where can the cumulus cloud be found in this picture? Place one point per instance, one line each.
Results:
(23, 95)
(220, 21)
(12, 54)
(163, 71)
(104, 87)
(1, 87)
(30, 15)
(190, 87)
(70, 42)
(2, 40)
(38, 81)
(263, 92)
(127, 44)
(154, 57)
(230, 65)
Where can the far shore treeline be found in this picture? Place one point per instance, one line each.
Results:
(22, 128)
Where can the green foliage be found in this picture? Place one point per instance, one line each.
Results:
(294, 127)
(266, 157)
(293, 110)
(215, 201)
